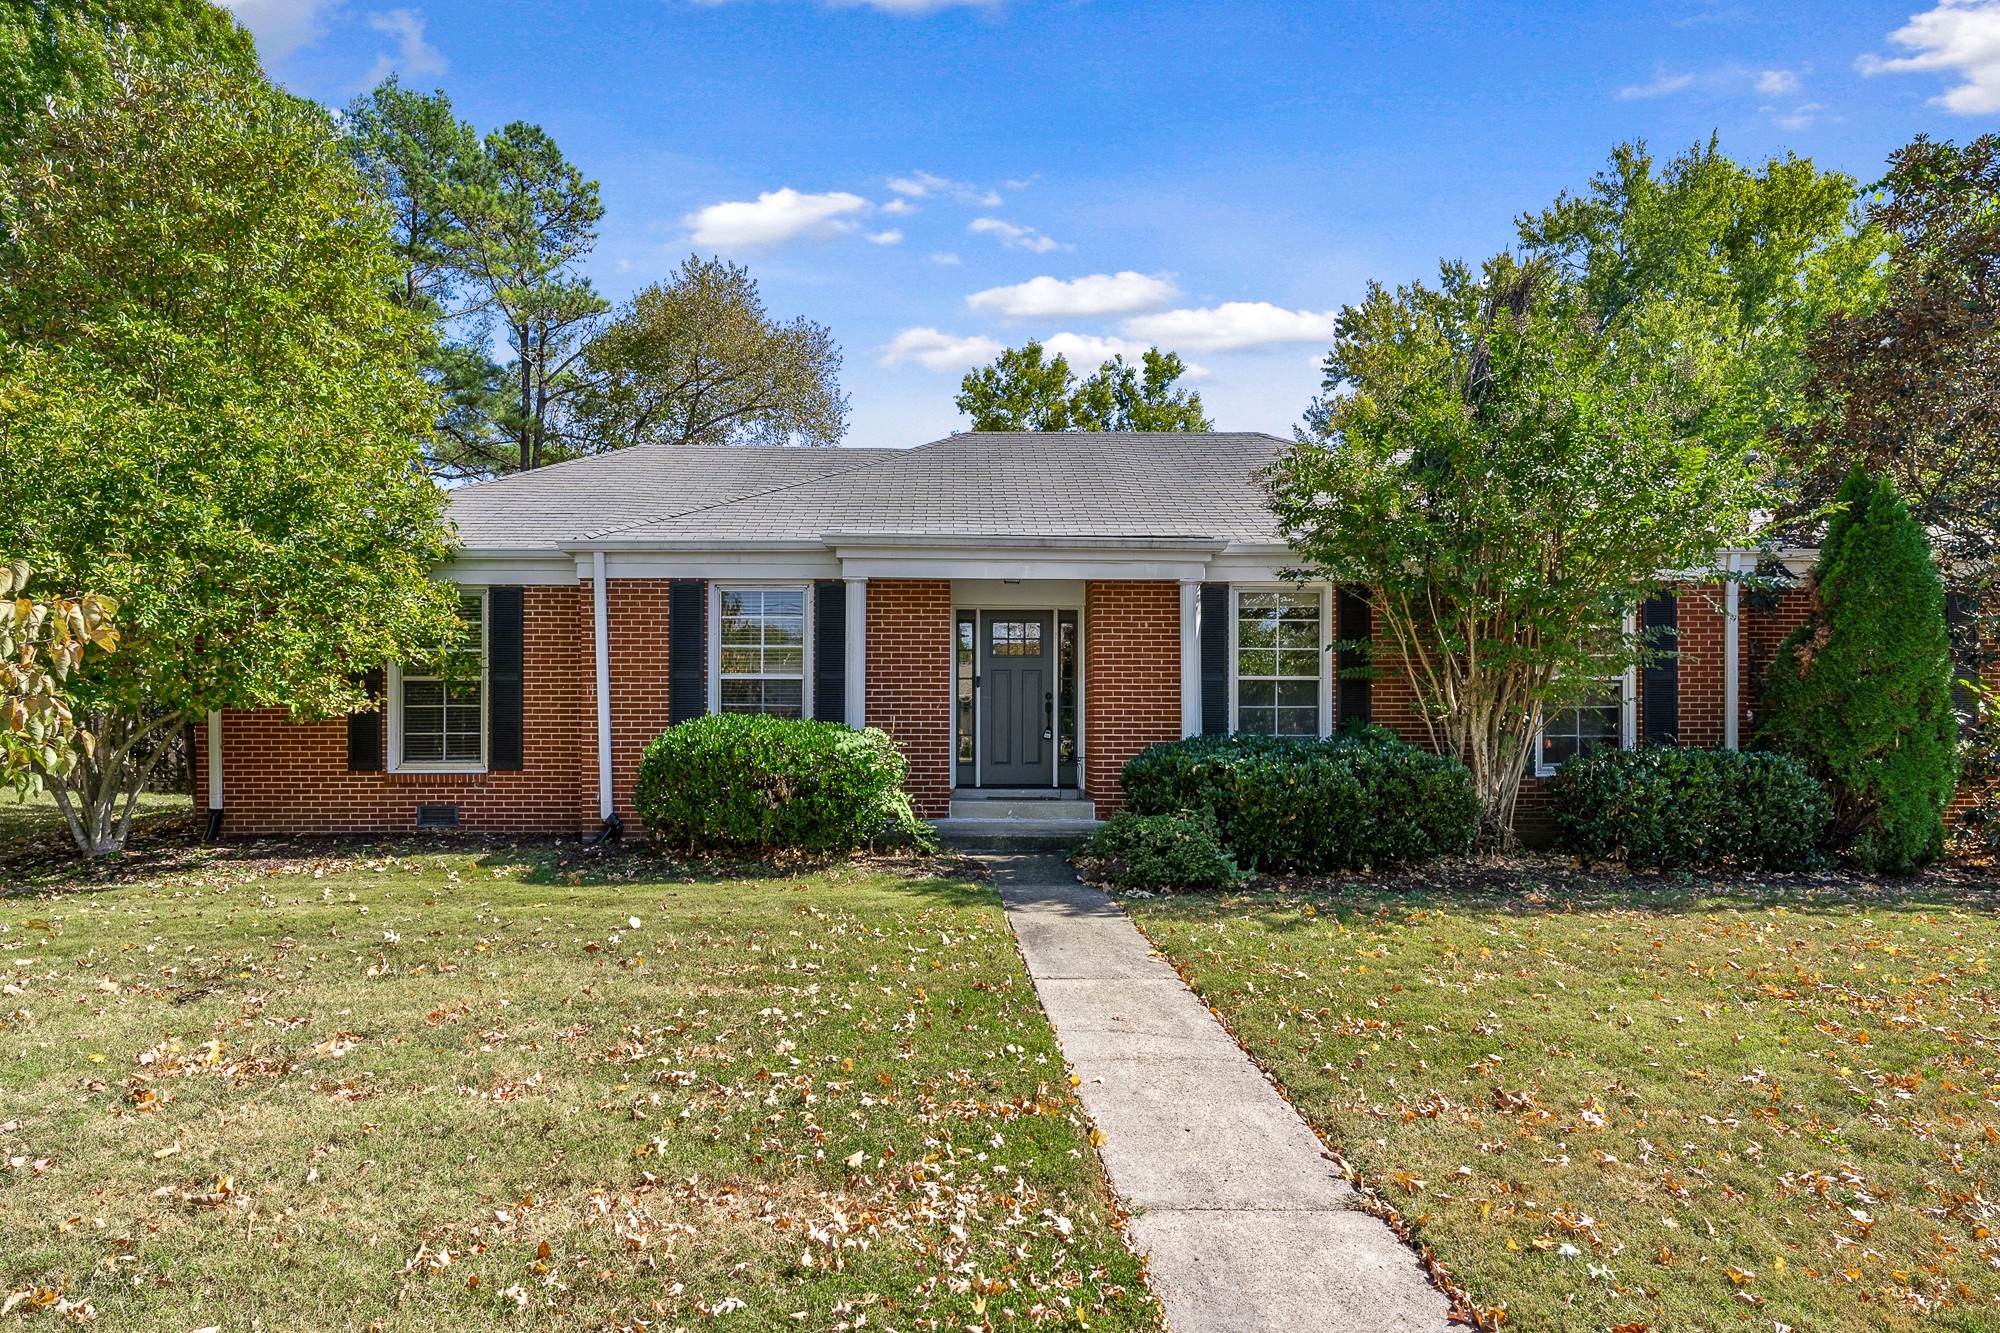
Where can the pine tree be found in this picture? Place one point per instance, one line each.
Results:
(1862, 690)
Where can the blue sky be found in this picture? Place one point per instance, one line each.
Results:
(936, 179)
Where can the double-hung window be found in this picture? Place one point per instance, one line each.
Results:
(761, 667)
(1594, 722)
(1279, 659)
(441, 714)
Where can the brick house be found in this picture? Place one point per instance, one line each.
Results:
(1022, 612)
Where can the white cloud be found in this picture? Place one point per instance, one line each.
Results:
(889, 237)
(1801, 117)
(1232, 326)
(775, 218)
(1086, 352)
(1775, 82)
(414, 54)
(1013, 237)
(940, 351)
(945, 257)
(922, 185)
(282, 26)
(1080, 298)
(1962, 36)
(899, 208)
(1661, 86)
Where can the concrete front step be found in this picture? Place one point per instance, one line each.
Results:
(1013, 835)
(1040, 809)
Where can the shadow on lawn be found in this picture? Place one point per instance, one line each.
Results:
(1543, 884)
(173, 846)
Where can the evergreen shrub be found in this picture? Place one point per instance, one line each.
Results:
(1359, 800)
(1672, 809)
(749, 782)
(1182, 850)
(1862, 691)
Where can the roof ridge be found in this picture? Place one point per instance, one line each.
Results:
(885, 456)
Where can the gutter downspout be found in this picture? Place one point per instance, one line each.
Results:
(214, 829)
(857, 653)
(1190, 657)
(601, 624)
(1732, 643)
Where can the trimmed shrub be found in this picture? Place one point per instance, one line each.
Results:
(747, 782)
(1179, 851)
(1862, 690)
(1362, 799)
(1668, 808)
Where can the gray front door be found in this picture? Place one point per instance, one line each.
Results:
(1017, 669)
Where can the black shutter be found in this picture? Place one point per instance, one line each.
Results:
(687, 650)
(829, 650)
(1214, 659)
(505, 695)
(1353, 627)
(1660, 678)
(364, 729)
(1965, 657)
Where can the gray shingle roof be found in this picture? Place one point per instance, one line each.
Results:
(553, 506)
(1011, 484)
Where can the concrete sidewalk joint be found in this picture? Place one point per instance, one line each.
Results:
(1245, 1224)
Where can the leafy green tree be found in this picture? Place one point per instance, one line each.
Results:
(696, 360)
(1862, 690)
(210, 410)
(424, 162)
(1910, 388)
(421, 159)
(62, 48)
(528, 223)
(1760, 256)
(1511, 479)
(1024, 389)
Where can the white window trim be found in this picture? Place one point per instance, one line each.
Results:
(393, 689)
(1236, 591)
(1628, 708)
(715, 590)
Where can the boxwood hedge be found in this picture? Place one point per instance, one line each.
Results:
(747, 782)
(1301, 804)
(1670, 808)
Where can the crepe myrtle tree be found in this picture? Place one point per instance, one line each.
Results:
(1512, 479)
(211, 412)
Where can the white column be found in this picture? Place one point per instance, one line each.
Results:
(601, 625)
(215, 761)
(857, 652)
(1732, 636)
(1190, 657)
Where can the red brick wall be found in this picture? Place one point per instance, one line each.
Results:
(1131, 679)
(909, 681)
(636, 612)
(282, 778)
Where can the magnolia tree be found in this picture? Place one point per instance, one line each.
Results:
(1512, 477)
(209, 411)
(42, 640)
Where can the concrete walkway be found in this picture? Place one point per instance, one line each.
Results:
(1247, 1227)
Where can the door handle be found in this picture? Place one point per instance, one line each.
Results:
(1049, 703)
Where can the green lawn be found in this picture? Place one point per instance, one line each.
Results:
(1644, 1103)
(444, 1089)
(37, 818)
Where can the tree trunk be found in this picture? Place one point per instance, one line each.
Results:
(99, 794)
